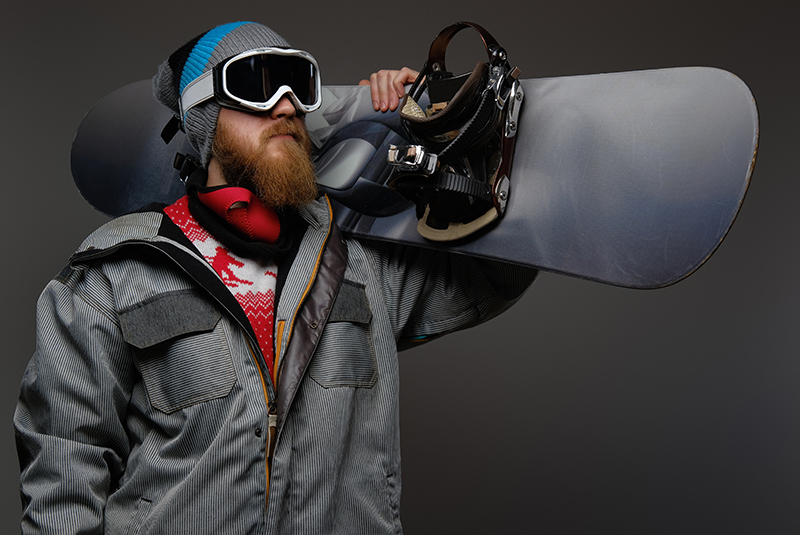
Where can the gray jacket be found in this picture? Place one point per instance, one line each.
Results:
(146, 407)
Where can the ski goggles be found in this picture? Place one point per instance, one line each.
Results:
(257, 80)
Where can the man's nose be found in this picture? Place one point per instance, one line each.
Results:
(284, 109)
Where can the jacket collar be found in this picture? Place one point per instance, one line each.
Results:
(147, 226)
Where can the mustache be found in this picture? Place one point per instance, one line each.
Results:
(285, 127)
(289, 127)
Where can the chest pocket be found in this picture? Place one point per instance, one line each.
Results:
(180, 349)
(345, 355)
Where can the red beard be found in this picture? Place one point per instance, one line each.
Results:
(283, 180)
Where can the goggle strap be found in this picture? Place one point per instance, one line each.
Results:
(198, 90)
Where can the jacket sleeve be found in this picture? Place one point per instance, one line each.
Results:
(69, 420)
(430, 293)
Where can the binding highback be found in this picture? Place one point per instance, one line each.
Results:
(457, 168)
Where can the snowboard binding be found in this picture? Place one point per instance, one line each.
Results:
(456, 171)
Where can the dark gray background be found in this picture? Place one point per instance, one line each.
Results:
(586, 408)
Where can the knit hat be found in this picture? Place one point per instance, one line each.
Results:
(194, 58)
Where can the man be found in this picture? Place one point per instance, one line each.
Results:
(228, 364)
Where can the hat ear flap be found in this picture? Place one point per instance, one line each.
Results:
(165, 88)
(200, 123)
(201, 127)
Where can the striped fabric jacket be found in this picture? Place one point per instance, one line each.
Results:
(147, 408)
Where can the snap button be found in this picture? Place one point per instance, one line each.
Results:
(258, 431)
(314, 324)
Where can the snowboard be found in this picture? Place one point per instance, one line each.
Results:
(631, 179)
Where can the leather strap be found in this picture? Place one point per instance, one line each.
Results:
(439, 45)
(438, 49)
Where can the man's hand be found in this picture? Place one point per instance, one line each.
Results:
(386, 87)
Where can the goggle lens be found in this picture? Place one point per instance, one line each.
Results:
(257, 78)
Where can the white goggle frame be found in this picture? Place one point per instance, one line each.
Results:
(202, 88)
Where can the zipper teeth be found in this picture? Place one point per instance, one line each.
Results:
(267, 397)
(278, 343)
(272, 415)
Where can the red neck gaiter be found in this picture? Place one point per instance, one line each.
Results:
(251, 218)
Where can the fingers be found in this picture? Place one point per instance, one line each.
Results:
(384, 96)
(405, 76)
(386, 87)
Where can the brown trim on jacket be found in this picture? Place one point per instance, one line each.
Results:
(311, 320)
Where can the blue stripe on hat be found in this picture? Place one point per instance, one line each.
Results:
(202, 51)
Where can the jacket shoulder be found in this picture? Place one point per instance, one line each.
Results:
(136, 226)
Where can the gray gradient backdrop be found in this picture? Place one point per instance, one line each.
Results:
(587, 408)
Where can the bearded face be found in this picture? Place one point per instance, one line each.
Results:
(278, 170)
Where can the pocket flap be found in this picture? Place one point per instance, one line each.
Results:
(166, 316)
(351, 304)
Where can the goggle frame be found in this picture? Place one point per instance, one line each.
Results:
(214, 84)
